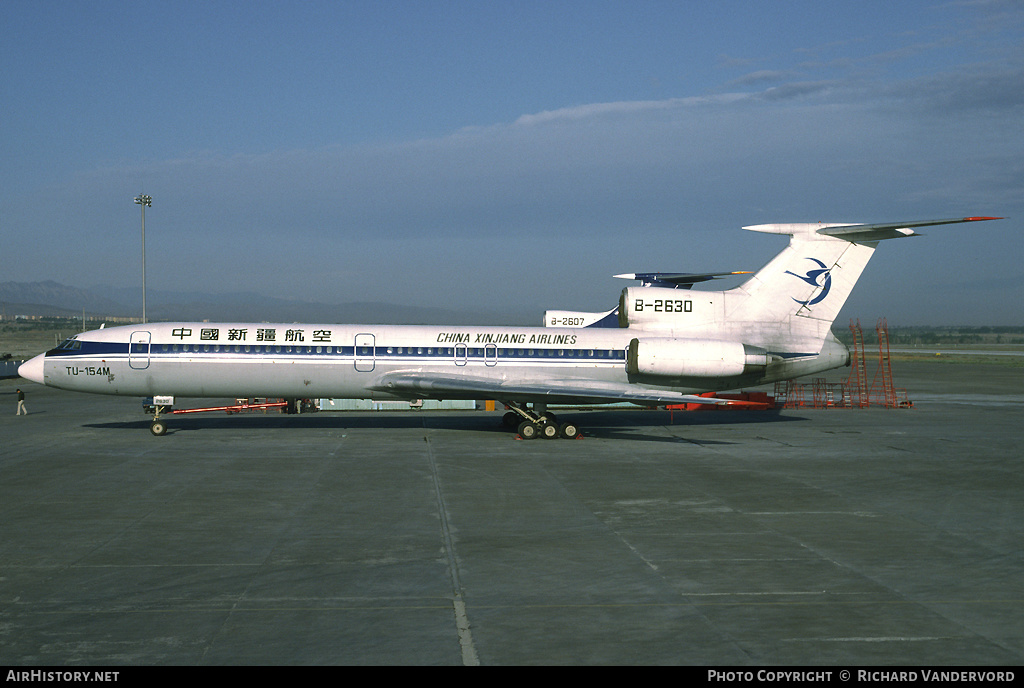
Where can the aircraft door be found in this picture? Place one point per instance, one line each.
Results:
(491, 355)
(461, 354)
(364, 354)
(138, 350)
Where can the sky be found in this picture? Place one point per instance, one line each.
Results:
(491, 154)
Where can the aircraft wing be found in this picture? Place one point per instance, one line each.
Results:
(553, 391)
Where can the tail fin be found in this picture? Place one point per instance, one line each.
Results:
(804, 287)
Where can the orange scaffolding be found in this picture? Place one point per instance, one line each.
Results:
(882, 390)
(857, 382)
(853, 392)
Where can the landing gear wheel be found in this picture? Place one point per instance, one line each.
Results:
(569, 431)
(511, 419)
(158, 428)
(528, 430)
(549, 431)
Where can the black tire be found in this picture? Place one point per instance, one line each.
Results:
(511, 419)
(528, 430)
(549, 431)
(569, 431)
(158, 428)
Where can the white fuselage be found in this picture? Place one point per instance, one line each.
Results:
(353, 361)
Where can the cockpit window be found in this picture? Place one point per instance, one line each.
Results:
(70, 344)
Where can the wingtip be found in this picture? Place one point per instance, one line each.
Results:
(982, 218)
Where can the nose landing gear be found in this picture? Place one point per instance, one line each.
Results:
(158, 427)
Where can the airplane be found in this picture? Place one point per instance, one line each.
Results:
(664, 343)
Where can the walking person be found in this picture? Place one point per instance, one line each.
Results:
(21, 404)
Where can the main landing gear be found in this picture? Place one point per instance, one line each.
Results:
(538, 422)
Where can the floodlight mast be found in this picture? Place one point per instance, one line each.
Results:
(144, 201)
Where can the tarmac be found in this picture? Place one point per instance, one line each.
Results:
(713, 538)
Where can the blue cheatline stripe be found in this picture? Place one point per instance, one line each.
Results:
(87, 348)
(792, 354)
(384, 353)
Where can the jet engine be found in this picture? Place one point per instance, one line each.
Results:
(671, 357)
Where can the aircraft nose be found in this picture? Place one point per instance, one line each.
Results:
(33, 369)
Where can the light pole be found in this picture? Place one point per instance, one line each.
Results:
(144, 201)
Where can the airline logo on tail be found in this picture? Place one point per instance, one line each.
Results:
(812, 278)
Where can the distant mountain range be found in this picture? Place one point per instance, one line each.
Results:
(54, 299)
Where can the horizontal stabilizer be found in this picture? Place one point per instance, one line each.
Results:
(861, 232)
(676, 280)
